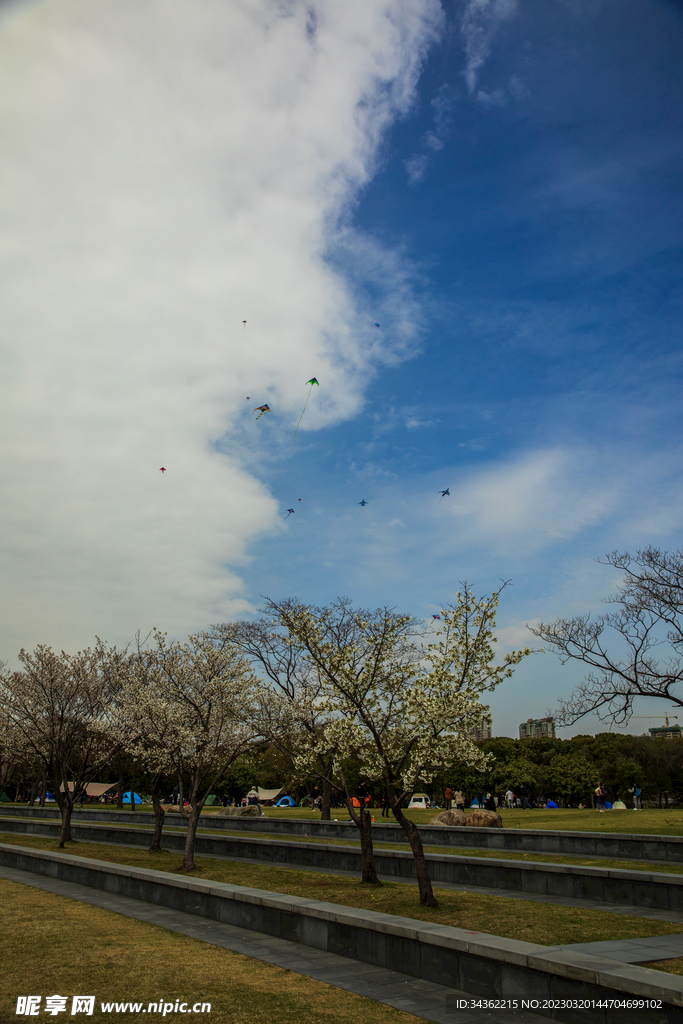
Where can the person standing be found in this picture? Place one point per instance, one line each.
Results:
(510, 798)
(600, 798)
(637, 805)
(448, 796)
(460, 800)
(361, 794)
(385, 804)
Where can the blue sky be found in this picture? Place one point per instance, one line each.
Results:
(496, 183)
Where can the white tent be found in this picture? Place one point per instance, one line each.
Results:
(92, 789)
(269, 794)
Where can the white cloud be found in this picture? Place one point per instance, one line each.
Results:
(416, 167)
(540, 498)
(495, 98)
(480, 22)
(170, 170)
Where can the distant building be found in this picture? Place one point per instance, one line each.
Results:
(666, 732)
(538, 728)
(481, 730)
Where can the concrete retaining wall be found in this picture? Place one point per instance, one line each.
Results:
(602, 885)
(618, 846)
(480, 964)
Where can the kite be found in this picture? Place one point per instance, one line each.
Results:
(437, 617)
(244, 322)
(312, 381)
(290, 512)
(163, 469)
(444, 494)
(249, 398)
(362, 504)
(260, 409)
(376, 325)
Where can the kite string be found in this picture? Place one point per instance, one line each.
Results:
(303, 410)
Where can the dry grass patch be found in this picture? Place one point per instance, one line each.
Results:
(51, 944)
(545, 923)
(668, 966)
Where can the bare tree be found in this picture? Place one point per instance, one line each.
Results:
(635, 650)
(59, 706)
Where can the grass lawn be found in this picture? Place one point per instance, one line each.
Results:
(50, 944)
(670, 966)
(545, 923)
(463, 851)
(651, 821)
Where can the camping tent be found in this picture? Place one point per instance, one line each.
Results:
(269, 794)
(126, 798)
(285, 801)
(4, 799)
(93, 788)
(212, 800)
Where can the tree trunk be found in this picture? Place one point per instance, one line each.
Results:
(66, 807)
(424, 882)
(33, 793)
(132, 791)
(43, 792)
(327, 800)
(192, 822)
(363, 822)
(159, 816)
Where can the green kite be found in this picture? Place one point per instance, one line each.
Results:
(312, 381)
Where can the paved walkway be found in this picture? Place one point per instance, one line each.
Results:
(634, 951)
(421, 998)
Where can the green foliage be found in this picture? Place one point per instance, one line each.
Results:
(572, 768)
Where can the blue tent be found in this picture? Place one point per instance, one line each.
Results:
(608, 806)
(551, 803)
(285, 801)
(126, 798)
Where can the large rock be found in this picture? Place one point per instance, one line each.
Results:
(454, 817)
(479, 818)
(170, 808)
(250, 811)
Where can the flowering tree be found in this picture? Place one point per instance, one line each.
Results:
(292, 713)
(59, 707)
(405, 708)
(288, 706)
(188, 709)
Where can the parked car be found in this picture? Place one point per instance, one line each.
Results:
(419, 800)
